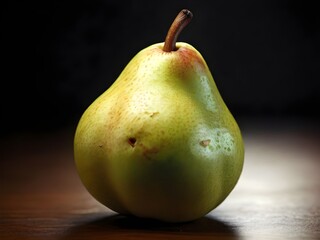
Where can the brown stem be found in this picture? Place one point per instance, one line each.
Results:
(179, 23)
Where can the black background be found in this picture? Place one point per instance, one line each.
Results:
(57, 57)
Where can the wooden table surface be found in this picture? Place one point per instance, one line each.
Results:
(277, 197)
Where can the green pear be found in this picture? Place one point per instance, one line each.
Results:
(160, 143)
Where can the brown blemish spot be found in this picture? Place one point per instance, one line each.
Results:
(151, 114)
(205, 143)
(150, 151)
(100, 145)
(154, 114)
(147, 152)
(132, 141)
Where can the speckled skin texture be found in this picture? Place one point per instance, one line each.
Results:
(160, 142)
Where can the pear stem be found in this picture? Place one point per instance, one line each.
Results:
(179, 23)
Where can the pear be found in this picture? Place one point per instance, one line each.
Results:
(160, 143)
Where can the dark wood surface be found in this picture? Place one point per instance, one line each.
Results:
(277, 197)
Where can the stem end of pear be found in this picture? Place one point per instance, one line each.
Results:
(179, 23)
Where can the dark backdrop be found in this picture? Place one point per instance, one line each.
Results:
(57, 57)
